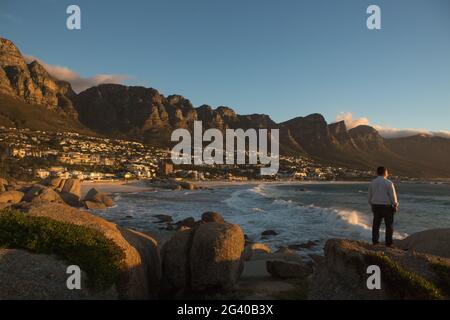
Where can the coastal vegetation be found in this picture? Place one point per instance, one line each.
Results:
(98, 256)
(401, 283)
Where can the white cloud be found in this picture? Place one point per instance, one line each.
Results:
(388, 132)
(351, 123)
(78, 83)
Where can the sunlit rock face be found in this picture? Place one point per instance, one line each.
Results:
(31, 82)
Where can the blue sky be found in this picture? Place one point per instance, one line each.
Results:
(285, 58)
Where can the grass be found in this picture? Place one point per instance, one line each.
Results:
(401, 283)
(98, 256)
(442, 272)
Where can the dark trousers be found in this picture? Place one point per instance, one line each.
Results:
(380, 213)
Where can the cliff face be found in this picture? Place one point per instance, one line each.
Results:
(31, 82)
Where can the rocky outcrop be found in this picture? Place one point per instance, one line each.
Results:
(31, 82)
(97, 200)
(27, 276)
(211, 216)
(175, 256)
(404, 275)
(39, 194)
(73, 187)
(11, 197)
(206, 258)
(215, 256)
(141, 274)
(434, 241)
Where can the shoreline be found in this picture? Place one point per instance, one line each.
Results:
(120, 186)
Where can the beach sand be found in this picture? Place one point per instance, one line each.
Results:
(115, 186)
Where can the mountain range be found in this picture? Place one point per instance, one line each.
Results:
(31, 97)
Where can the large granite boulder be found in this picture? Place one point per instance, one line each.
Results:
(175, 256)
(11, 197)
(435, 241)
(215, 256)
(211, 216)
(73, 187)
(97, 200)
(53, 182)
(28, 276)
(39, 194)
(206, 258)
(343, 274)
(141, 274)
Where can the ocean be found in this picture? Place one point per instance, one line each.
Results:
(299, 212)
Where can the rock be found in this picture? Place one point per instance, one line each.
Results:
(28, 276)
(147, 248)
(343, 272)
(188, 222)
(11, 197)
(287, 270)
(187, 185)
(435, 241)
(212, 217)
(53, 182)
(71, 199)
(39, 194)
(138, 278)
(97, 200)
(31, 82)
(215, 256)
(284, 254)
(316, 258)
(269, 233)
(175, 263)
(2, 188)
(72, 186)
(163, 217)
(300, 246)
(3, 181)
(91, 205)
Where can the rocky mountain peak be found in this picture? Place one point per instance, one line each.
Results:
(10, 55)
(31, 82)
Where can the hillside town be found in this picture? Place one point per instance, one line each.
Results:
(72, 155)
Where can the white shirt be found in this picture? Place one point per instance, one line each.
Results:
(382, 192)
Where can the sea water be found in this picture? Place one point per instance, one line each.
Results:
(298, 212)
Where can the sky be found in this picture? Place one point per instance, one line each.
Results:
(284, 58)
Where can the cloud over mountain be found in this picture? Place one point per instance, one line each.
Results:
(387, 132)
(78, 82)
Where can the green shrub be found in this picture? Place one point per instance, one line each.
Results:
(401, 283)
(98, 256)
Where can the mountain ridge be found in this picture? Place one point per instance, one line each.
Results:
(145, 114)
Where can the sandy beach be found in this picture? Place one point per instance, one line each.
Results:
(115, 186)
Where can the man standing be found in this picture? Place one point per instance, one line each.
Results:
(383, 199)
